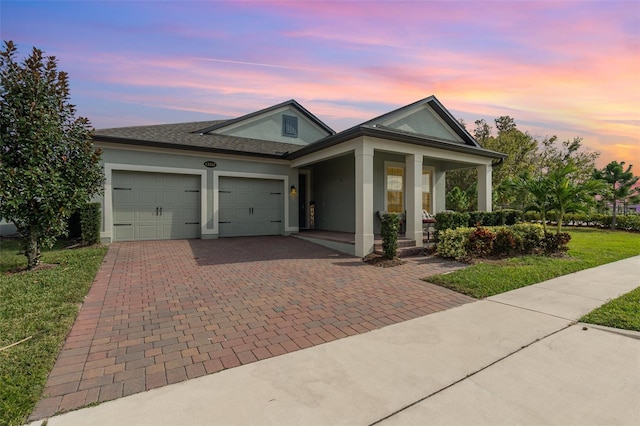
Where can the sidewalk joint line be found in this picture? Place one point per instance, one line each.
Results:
(398, 411)
(531, 310)
(566, 292)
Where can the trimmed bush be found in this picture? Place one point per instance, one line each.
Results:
(531, 216)
(390, 225)
(506, 243)
(90, 217)
(522, 238)
(451, 220)
(629, 222)
(452, 243)
(529, 236)
(554, 243)
(480, 242)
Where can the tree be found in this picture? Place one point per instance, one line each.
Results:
(539, 190)
(457, 200)
(568, 193)
(482, 132)
(620, 182)
(553, 156)
(48, 166)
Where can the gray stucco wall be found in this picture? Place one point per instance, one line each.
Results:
(379, 195)
(194, 162)
(7, 228)
(425, 122)
(270, 128)
(334, 194)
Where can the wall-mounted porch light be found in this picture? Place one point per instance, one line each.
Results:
(293, 191)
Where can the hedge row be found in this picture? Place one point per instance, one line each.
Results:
(453, 220)
(628, 222)
(499, 241)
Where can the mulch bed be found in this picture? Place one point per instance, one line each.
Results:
(375, 259)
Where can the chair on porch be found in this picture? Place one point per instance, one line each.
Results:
(428, 224)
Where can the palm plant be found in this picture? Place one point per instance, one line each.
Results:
(620, 182)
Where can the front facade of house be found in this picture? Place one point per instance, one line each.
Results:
(280, 170)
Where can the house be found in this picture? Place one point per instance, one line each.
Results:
(280, 170)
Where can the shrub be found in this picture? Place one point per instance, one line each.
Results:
(554, 243)
(451, 220)
(531, 216)
(480, 242)
(90, 218)
(390, 225)
(630, 222)
(452, 243)
(506, 243)
(529, 236)
(511, 217)
(73, 225)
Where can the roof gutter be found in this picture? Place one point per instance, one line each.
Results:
(395, 136)
(169, 145)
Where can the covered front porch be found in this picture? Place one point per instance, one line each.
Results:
(350, 183)
(393, 163)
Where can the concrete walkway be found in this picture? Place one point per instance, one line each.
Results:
(515, 358)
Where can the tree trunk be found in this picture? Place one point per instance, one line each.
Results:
(32, 251)
(613, 218)
(560, 219)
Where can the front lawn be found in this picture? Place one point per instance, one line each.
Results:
(623, 312)
(588, 248)
(40, 306)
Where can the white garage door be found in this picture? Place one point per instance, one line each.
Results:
(155, 206)
(250, 207)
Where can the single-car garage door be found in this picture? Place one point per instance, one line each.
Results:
(250, 207)
(155, 206)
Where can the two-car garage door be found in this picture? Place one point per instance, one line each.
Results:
(156, 206)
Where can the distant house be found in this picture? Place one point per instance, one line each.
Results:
(280, 170)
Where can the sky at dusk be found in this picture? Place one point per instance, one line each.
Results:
(559, 68)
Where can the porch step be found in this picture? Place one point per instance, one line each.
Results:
(406, 248)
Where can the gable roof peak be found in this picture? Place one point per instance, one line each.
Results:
(291, 102)
(432, 102)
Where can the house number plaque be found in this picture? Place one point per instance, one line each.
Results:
(210, 164)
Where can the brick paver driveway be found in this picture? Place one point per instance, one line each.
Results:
(161, 312)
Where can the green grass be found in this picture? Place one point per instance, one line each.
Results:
(623, 312)
(588, 248)
(43, 304)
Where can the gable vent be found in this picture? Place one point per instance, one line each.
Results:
(290, 126)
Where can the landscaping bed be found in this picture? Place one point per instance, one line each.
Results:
(588, 248)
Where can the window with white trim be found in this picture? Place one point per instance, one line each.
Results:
(395, 188)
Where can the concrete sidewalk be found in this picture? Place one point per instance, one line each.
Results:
(512, 358)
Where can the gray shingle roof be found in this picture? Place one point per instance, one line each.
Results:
(182, 136)
(190, 136)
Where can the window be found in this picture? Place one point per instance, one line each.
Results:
(394, 175)
(426, 190)
(290, 126)
(395, 189)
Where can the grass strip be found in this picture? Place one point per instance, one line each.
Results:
(43, 304)
(623, 312)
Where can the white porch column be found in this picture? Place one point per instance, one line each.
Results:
(364, 200)
(414, 197)
(484, 188)
(440, 191)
